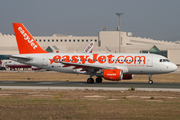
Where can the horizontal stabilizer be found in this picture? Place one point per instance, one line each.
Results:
(24, 58)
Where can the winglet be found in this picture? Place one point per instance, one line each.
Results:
(26, 43)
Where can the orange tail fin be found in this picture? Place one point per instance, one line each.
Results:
(26, 43)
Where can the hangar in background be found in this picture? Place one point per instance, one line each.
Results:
(105, 42)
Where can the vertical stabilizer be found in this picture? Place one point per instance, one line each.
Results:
(26, 43)
(89, 48)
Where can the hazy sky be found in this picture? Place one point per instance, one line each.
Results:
(156, 19)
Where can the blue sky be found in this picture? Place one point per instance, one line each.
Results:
(156, 19)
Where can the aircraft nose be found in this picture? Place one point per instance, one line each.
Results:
(173, 67)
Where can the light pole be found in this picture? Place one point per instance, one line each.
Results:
(119, 14)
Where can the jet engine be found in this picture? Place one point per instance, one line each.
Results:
(111, 74)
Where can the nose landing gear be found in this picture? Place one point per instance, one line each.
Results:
(150, 79)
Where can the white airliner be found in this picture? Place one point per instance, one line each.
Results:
(110, 66)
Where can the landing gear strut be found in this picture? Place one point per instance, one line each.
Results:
(150, 79)
(90, 80)
(99, 80)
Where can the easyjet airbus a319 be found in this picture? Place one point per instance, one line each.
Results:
(110, 66)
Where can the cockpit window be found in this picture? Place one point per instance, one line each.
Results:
(167, 60)
(164, 60)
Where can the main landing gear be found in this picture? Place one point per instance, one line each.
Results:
(150, 79)
(99, 80)
(91, 80)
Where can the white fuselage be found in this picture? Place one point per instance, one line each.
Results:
(130, 63)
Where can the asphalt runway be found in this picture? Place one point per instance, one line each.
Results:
(83, 85)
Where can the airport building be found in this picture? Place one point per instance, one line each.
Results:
(105, 42)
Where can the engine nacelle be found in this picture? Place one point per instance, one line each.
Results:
(112, 74)
(127, 76)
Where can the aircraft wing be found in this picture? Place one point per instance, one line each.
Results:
(92, 67)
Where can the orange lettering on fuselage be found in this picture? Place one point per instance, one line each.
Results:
(66, 58)
(83, 60)
(110, 58)
(93, 60)
(119, 61)
(100, 59)
(55, 58)
(74, 59)
(135, 58)
(130, 59)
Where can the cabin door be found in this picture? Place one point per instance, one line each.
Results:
(45, 60)
(150, 61)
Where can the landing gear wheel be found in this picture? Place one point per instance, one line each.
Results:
(99, 80)
(150, 79)
(150, 82)
(90, 80)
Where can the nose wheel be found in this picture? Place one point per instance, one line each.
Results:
(150, 79)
